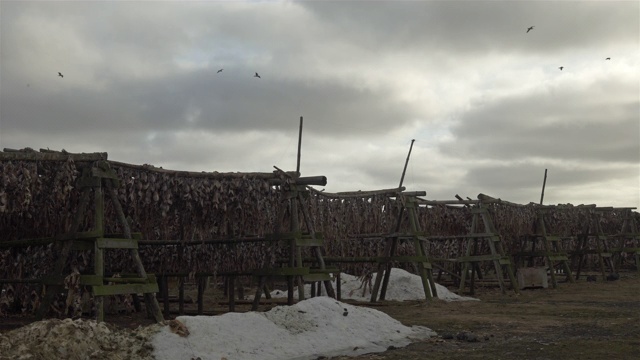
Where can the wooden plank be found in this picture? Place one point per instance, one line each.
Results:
(307, 241)
(282, 271)
(30, 154)
(283, 236)
(328, 270)
(113, 243)
(127, 280)
(626, 250)
(83, 245)
(92, 280)
(317, 277)
(134, 235)
(357, 194)
(101, 173)
(105, 290)
(475, 258)
(403, 259)
(49, 240)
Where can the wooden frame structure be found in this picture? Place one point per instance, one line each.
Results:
(98, 178)
(294, 192)
(407, 201)
(594, 241)
(482, 232)
(629, 234)
(552, 250)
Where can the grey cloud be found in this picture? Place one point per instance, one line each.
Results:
(573, 124)
(481, 26)
(522, 182)
(227, 102)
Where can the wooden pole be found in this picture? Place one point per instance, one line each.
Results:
(394, 241)
(390, 248)
(299, 147)
(544, 183)
(98, 252)
(150, 299)
(404, 171)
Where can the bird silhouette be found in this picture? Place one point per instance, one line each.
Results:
(219, 71)
(561, 67)
(608, 58)
(60, 74)
(258, 76)
(530, 28)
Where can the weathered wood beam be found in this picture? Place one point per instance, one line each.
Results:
(32, 155)
(196, 174)
(205, 242)
(305, 180)
(359, 193)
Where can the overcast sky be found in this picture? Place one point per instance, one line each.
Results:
(484, 99)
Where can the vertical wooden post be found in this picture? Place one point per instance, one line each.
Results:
(295, 227)
(200, 281)
(390, 248)
(98, 252)
(385, 269)
(181, 295)
(544, 183)
(316, 249)
(404, 171)
(165, 295)
(231, 283)
(468, 252)
(299, 148)
(150, 300)
(425, 274)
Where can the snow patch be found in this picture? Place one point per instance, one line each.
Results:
(306, 330)
(403, 285)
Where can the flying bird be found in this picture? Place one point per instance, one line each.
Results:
(530, 28)
(60, 74)
(608, 58)
(220, 70)
(561, 67)
(258, 76)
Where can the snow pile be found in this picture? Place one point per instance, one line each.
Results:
(320, 326)
(403, 285)
(76, 339)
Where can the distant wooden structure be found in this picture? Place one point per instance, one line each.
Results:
(296, 269)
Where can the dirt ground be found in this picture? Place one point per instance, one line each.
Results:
(584, 320)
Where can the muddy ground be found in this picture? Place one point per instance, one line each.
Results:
(584, 320)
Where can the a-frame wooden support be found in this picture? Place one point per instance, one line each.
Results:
(628, 239)
(420, 260)
(552, 250)
(99, 178)
(293, 197)
(497, 254)
(595, 241)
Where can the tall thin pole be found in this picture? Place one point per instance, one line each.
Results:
(544, 183)
(299, 147)
(404, 171)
